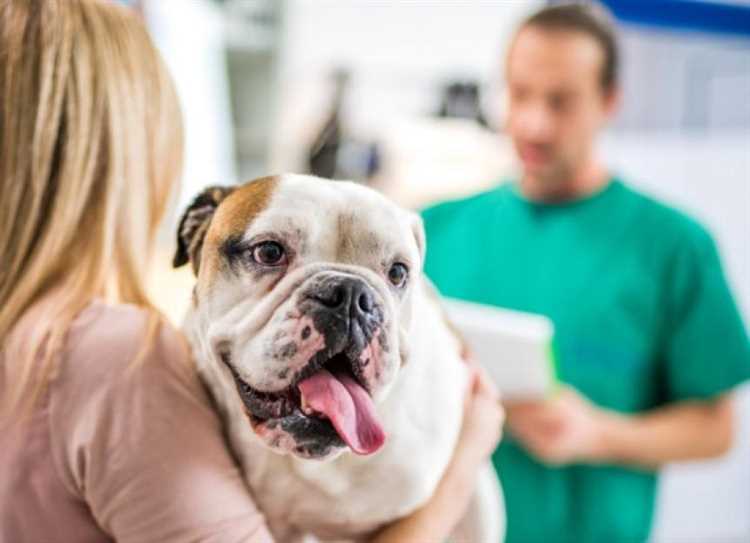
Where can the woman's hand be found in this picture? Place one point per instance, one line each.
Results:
(483, 420)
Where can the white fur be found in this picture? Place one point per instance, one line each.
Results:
(420, 408)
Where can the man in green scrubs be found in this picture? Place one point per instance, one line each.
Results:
(649, 342)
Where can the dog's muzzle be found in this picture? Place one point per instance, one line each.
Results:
(328, 402)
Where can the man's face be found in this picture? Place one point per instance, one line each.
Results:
(556, 101)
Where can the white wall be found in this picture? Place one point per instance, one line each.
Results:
(400, 53)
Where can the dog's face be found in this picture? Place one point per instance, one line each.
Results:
(303, 294)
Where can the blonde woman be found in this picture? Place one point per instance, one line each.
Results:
(105, 431)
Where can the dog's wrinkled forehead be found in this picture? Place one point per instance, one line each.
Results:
(336, 221)
(317, 220)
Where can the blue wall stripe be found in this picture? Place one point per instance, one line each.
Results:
(715, 17)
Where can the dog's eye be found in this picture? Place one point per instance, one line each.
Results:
(269, 253)
(398, 274)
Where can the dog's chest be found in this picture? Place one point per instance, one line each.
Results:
(347, 497)
(352, 495)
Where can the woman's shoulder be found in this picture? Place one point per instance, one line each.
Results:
(119, 330)
(118, 327)
(122, 370)
(114, 345)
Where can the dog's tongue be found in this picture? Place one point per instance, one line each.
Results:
(349, 408)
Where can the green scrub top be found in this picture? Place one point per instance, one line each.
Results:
(643, 316)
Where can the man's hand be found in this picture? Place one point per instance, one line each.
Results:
(568, 428)
(563, 429)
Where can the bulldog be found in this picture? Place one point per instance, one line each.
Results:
(327, 355)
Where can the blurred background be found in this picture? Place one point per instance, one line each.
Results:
(408, 97)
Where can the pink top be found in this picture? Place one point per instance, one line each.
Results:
(113, 452)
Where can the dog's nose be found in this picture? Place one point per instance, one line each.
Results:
(348, 295)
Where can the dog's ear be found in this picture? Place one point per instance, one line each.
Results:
(194, 225)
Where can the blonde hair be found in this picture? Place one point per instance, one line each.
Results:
(90, 147)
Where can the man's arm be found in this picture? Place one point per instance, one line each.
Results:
(681, 431)
(568, 428)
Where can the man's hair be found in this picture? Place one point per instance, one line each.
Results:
(587, 18)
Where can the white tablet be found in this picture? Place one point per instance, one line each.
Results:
(514, 347)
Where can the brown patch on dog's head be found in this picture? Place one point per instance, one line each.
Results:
(232, 218)
(216, 214)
